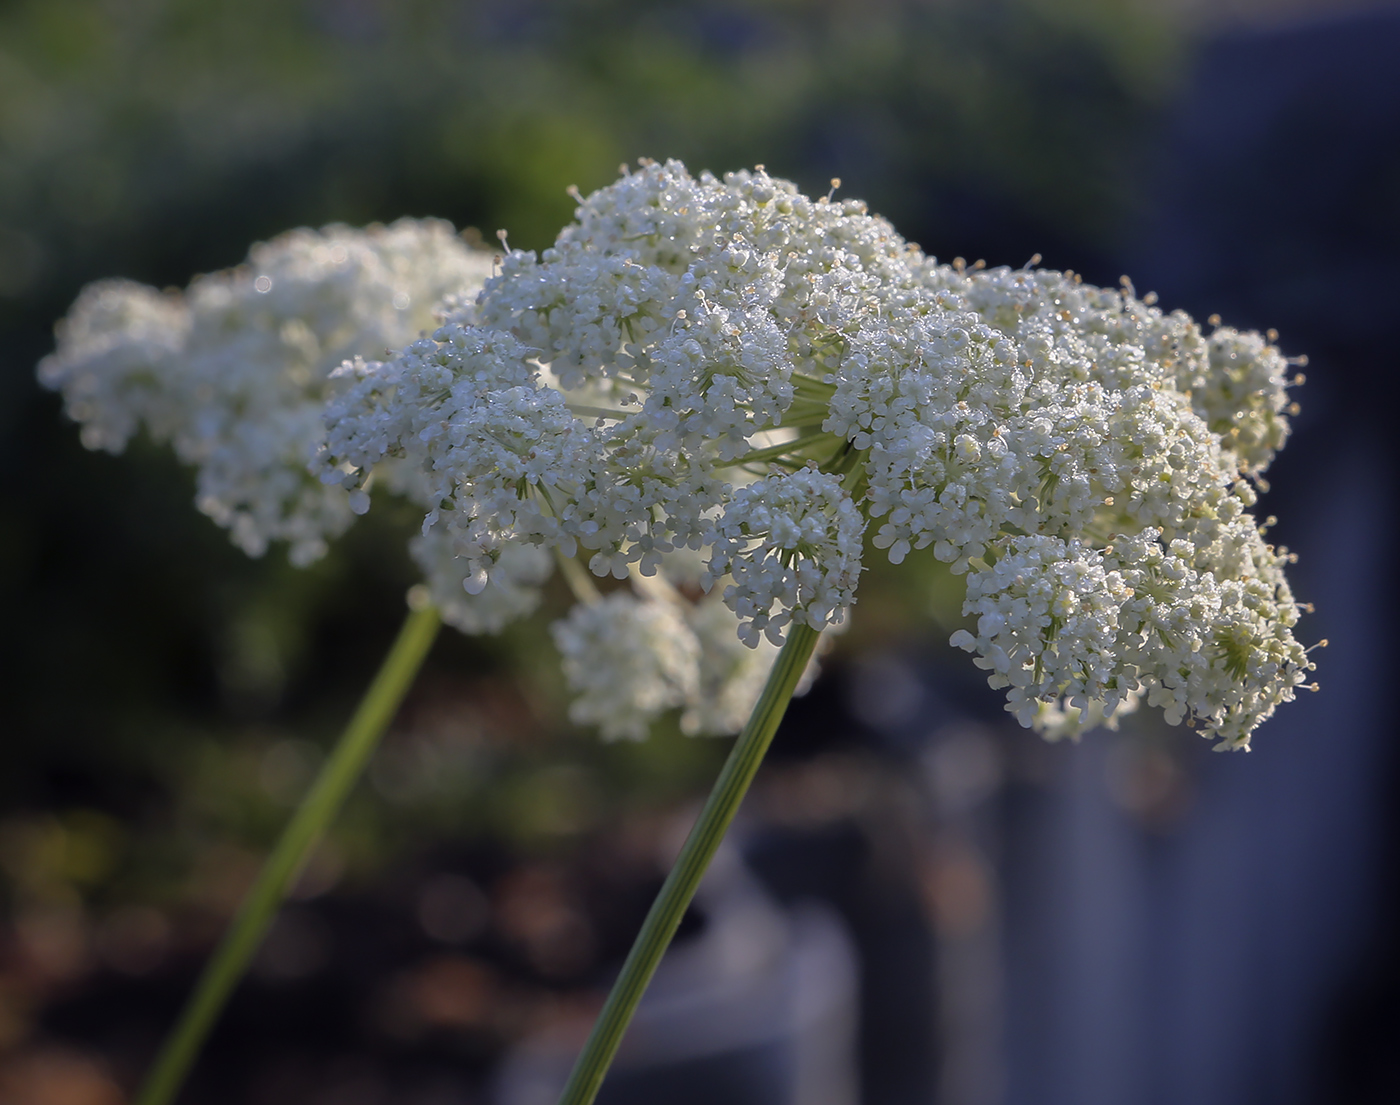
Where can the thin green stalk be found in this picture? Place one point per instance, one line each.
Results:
(584, 411)
(578, 579)
(316, 812)
(685, 876)
(776, 450)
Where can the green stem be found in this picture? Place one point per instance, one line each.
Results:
(317, 810)
(775, 450)
(685, 876)
(578, 579)
(584, 411)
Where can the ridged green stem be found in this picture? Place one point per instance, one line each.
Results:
(317, 810)
(699, 849)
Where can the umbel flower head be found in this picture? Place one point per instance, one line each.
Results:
(726, 372)
(232, 371)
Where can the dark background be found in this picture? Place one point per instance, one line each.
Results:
(1133, 919)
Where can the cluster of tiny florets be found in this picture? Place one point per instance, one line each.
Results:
(461, 424)
(232, 372)
(791, 542)
(627, 661)
(727, 374)
(113, 362)
(640, 652)
(513, 592)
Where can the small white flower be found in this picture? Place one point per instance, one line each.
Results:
(512, 592)
(792, 545)
(628, 661)
(732, 674)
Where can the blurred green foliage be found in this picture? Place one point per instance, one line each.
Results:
(172, 133)
(159, 681)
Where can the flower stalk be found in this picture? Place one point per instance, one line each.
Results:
(320, 806)
(690, 866)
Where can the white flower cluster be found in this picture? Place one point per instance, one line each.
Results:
(1067, 444)
(113, 362)
(699, 311)
(1057, 720)
(730, 370)
(512, 593)
(637, 653)
(1100, 627)
(471, 433)
(242, 371)
(627, 660)
(794, 538)
(678, 319)
(233, 371)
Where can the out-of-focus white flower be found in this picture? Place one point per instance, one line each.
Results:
(1057, 721)
(731, 674)
(113, 364)
(627, 660)
(512, 593)
(707, 672)
(233, 371)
